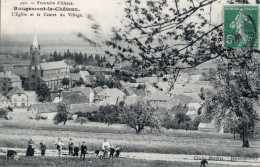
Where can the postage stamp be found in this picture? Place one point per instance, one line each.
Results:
(241, 26)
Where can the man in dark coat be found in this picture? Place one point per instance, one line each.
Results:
(83, 150)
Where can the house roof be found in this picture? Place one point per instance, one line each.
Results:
(163, 85)
(43, 107)
(75, 76)
(183, 99)
(158, 96)
(74, 97)
(98, 90)
(141, 80)
(3, 98)
(53, 65)
(152, 79)
(21, 72)
(139, 92)
(84, 73)
(112, 100)
(85, 90)
(179, 108)
(192, 112)
(195, 97)
(206, 126)
(83, 107)
(130, 100)
(181, 90)
(15, 90)
(10, 75)
(168, 104)
(111, 92)
(128, 91)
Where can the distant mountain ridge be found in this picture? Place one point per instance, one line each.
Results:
(49, 43)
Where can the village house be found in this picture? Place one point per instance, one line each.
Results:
(84, 108)
(4, 102)
(88, 92)
(9, 80)
(109, 96)
(128, 91)
(74, 97)
(45, 110)
(17, 98)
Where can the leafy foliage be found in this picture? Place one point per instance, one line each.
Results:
(82, 120)
(43, 93)
(237, 90)
(139, 116)
(62, 114)
(65, 81)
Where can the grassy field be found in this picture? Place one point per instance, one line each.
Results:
(16, 134)
(94, 162)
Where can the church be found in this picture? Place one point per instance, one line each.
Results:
(49, 73)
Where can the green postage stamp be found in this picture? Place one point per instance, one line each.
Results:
(241, 24)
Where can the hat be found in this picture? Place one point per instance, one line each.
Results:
(70, 139)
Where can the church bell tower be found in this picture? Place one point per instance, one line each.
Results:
(34, 69)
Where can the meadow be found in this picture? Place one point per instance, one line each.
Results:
(94, 162)
(16, 134)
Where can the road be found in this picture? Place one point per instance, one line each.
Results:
(155, 156)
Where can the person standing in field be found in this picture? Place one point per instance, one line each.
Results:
(76, 150)
(30, 149)
(83, 150)
(70, 147)
(59, 147)
(42, 148)
(105, 147)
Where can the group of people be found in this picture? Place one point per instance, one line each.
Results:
(74, 149)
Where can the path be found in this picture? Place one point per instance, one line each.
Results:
(155, 156)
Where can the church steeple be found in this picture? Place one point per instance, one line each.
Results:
(35, 42)
(34, 69)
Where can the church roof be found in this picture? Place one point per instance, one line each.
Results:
(54, 65)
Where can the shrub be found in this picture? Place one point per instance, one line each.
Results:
(82, 120)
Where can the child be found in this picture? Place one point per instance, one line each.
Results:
(76, 150)
(42, 148)
(118, 149)
(112, 150)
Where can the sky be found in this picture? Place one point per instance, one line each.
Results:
(106, 12)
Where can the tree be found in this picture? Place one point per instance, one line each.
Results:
(139, 116)
(43, 92)
(80, 81)
(237, 89)
(62, 114)
(65, 81)
(110, 113)
(82, 120)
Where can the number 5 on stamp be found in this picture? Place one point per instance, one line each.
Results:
(241, 24)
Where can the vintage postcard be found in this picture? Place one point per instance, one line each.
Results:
(142, 83)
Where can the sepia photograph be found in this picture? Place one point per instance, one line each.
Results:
(130, 83)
